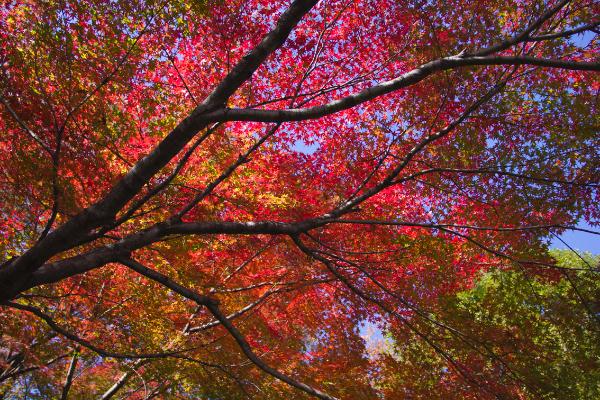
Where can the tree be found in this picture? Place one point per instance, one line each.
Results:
(199, 197)
(548, 342)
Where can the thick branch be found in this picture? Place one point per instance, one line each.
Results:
(103, 211)
(56, 271)
(408, 79)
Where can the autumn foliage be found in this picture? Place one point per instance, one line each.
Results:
(212, 199)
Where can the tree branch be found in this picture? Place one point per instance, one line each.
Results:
(70, 374)
(84, 343)
(13, 276)
(408, 79)
(213, 307)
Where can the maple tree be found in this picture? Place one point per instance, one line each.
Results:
(207, 199)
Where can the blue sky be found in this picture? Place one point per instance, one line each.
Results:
(581, 241)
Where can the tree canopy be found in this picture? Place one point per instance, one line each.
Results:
(208, 199)
(545, 340)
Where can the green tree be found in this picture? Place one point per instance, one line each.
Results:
(516, 334)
